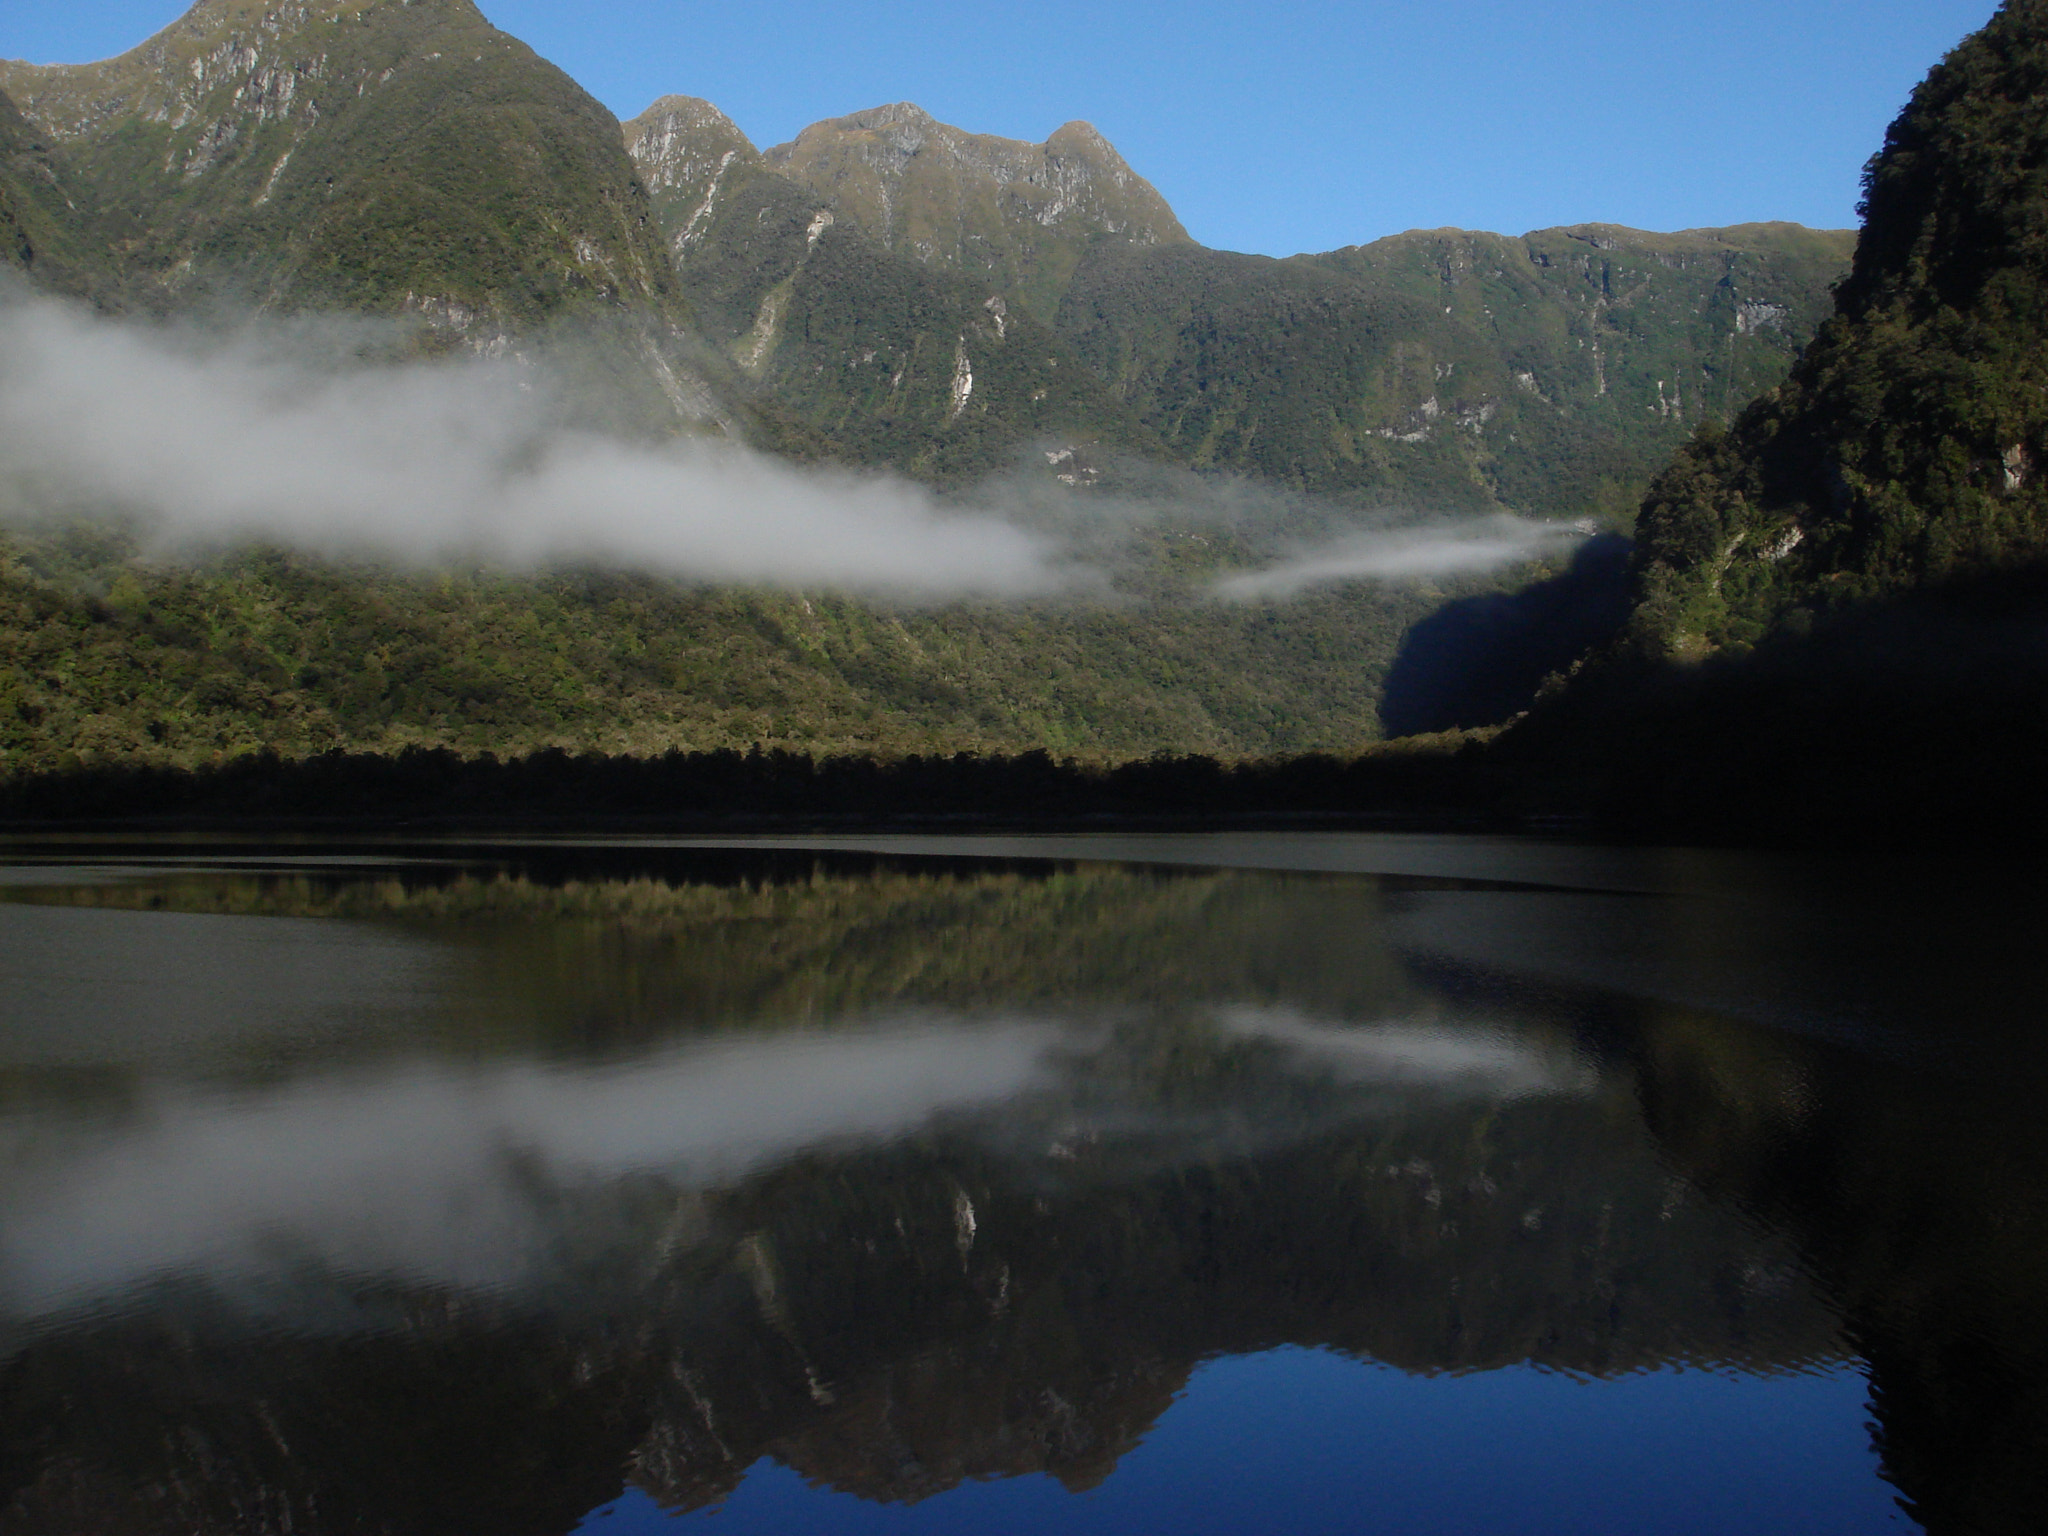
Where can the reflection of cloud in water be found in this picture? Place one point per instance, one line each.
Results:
(433, 1173)
(1457, 1058)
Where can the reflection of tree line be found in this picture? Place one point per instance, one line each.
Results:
(895, 1320)
(566, 961)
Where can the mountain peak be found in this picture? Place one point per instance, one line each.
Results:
(681, 145)
(394, 155)
(887, 114)
(163, 78)
(1008, 211)
(689, 111)
(1080, 132)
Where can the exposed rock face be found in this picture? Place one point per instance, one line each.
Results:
(176, 75)
(1013, 214)
(868, 353)
(680, 142)
(687, 151)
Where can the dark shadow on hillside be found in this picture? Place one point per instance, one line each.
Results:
(1920, 720)
(1478, 661)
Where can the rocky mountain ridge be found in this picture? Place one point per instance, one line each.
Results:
(885, 289)
(871, 355)
(1007, 213)
(1548, 373)
(374, 156)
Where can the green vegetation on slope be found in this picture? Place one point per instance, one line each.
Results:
(1838, 600)
(38, 232)
(1549, 373)
(370, 156)
(1906, 447)
(108, 657)
(409, 159)
(1011, 216)
(847, 350)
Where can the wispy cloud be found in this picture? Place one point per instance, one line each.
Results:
(1407, 554)
(257, 431)
(211, 439)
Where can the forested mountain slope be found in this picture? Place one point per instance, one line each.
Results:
(376, 155)
(39, 231)
(1838, 601)
(1549, 372)
(1907, 446)
(851, 350)
(383, 157)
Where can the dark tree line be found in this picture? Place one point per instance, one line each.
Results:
(699, 789)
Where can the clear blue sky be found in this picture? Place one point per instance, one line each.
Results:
(1284, 127)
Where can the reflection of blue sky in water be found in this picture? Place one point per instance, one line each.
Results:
(1302, 1443)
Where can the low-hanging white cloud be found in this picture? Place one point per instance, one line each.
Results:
(210, 440)
(1467, 546)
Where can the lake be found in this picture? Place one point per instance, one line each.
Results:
(1229, 1183)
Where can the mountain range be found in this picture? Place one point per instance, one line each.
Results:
(886, 292)
(411, 159)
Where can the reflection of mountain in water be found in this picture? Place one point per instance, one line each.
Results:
(894, 1320)
(1891, 1131)
(1250, 1124)
(1920, 1202)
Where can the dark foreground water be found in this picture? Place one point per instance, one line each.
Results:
(1240, 1184)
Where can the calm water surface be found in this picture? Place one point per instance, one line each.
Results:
(1294, 1183)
